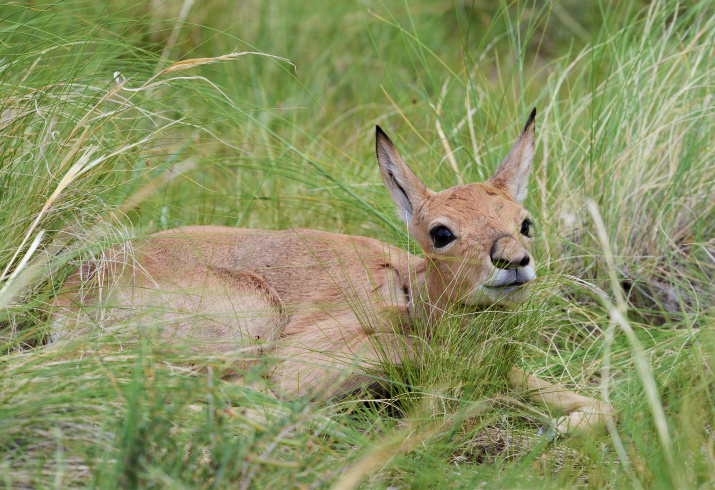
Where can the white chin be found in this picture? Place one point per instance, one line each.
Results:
(484, 295)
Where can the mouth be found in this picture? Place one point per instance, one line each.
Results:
(507, 280)
(511, 285)
(507, 292)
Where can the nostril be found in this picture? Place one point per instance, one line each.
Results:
(510, 264)
(500, 263)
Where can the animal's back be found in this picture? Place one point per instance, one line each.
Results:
(303, 266)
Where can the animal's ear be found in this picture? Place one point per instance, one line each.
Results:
(405, 188)
(512, 175)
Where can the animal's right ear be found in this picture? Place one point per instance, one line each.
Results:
(405, 188)
(513, 173)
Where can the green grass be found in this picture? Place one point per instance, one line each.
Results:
(624, 93)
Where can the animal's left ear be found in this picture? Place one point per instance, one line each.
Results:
(512, 175)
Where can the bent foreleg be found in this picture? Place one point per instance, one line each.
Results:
(582, 413)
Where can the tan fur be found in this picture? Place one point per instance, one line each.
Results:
(328, 307)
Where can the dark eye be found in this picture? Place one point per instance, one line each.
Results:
(525, 227)
(441, 236)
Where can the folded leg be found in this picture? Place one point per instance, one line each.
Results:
(582, 413)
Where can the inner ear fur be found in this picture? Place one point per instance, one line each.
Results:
(406, 189)
(512, 176)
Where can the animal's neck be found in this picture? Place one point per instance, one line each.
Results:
(428, 298)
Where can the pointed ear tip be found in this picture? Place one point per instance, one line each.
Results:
(530, 121)
(380, 134)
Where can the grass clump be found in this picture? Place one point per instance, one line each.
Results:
(108, 131)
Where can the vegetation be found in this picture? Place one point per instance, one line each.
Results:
(122, 118)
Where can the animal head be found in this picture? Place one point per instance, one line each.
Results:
(476, 236)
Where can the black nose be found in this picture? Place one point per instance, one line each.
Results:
(510, 264)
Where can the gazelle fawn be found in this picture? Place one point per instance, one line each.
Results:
(323, 304)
